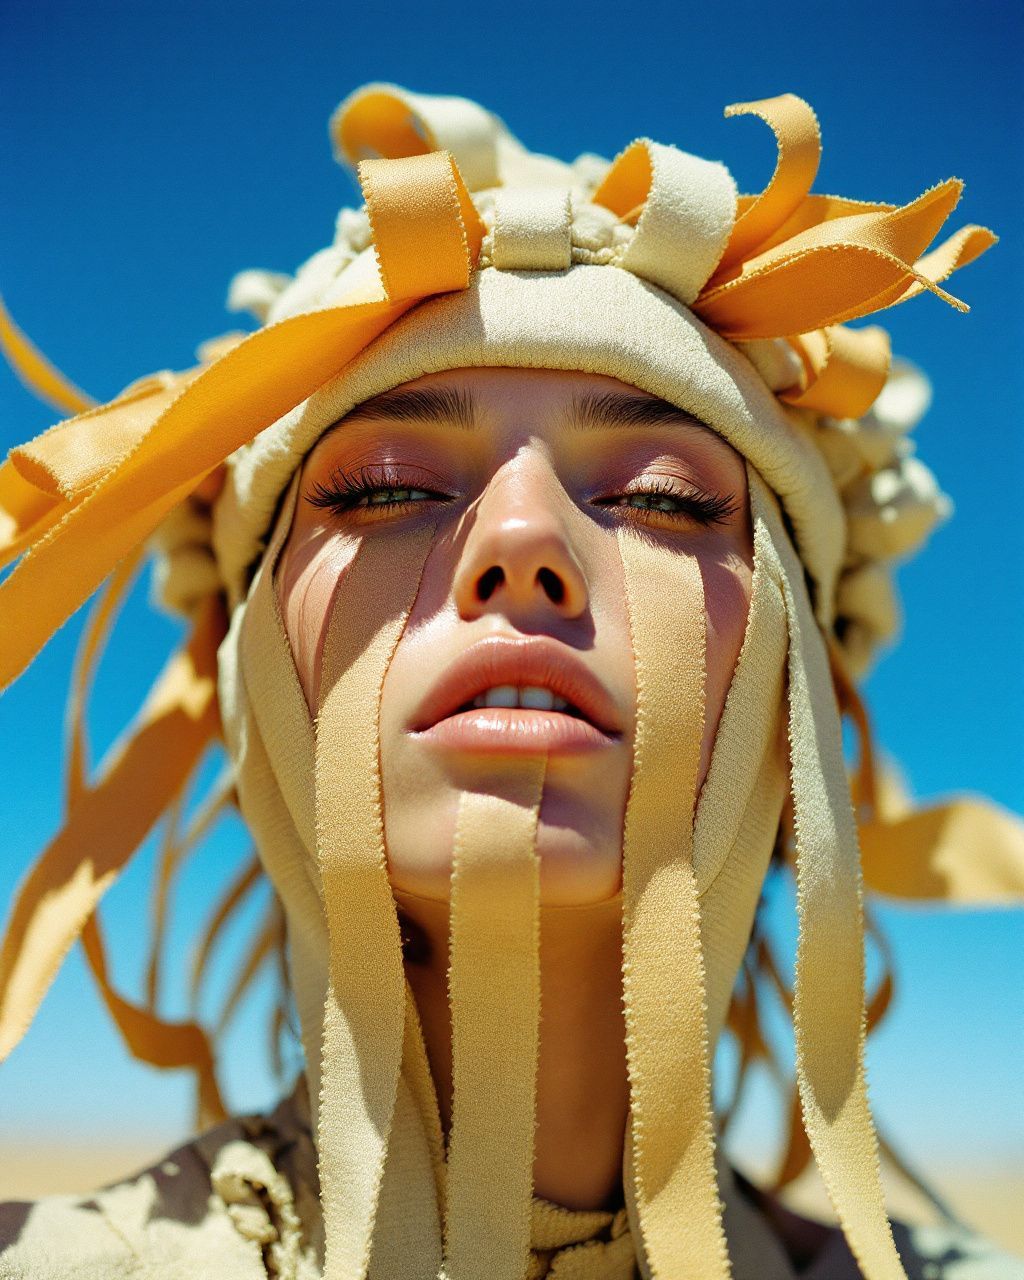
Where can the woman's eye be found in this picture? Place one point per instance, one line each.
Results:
(389, 497)
(661, 498)
(371, 489)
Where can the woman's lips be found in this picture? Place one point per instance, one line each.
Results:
(500, 669)
(514, 730)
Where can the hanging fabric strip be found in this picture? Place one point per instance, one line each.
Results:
(151, 1039)
(178, 845)
(798, 139)
(829, 1008)
(37, 373)
(90, 647)
(147, 1036)
(145, 773)
(265, 943)
(236, 893)
(494, 993)
(171, 852)
(364, 1013)
(670, 1137)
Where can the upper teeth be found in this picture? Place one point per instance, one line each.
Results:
(527, 695)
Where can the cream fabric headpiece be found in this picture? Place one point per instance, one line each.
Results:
(473, 252)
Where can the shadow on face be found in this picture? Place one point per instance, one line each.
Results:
(518, 640)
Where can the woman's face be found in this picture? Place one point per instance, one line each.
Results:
(526, 475)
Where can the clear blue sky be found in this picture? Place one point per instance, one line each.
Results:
(149, 152)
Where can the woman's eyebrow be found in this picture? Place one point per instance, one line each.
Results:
(622, 409)
(450, 406)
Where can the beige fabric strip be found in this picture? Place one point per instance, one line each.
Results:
(688, 207)
(532, 229)
(670, 1140)
(742, 797)
(829, 1012)
(494, 990)
(364, 1012)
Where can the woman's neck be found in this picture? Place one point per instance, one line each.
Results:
(582, 1087)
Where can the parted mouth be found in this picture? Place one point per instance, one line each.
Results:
(529, 672)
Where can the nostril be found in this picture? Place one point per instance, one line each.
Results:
(552, 584)
(489, 582)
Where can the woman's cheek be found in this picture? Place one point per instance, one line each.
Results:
(313, 569)
(727, 591)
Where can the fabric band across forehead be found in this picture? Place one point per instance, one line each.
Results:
(364, 1014)
(829, 1008)
(494, 990)
(671, 1139)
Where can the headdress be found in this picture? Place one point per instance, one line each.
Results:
(472, 251)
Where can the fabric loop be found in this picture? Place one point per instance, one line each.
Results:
(846, 370)
(383, 120)
(686, 211)
(799, 153)
(532, 229)
(426, 230)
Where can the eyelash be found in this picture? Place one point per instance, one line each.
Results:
(344, 493)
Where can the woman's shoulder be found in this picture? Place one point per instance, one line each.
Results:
(222, 1204)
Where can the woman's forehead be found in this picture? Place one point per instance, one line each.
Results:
(578, 402)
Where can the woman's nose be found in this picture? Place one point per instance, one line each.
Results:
(517, 553)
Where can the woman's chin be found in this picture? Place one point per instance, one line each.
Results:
(580, 865)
